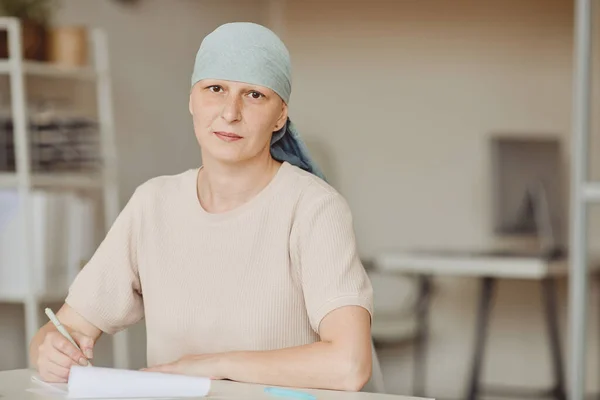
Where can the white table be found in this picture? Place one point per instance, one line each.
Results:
(473, 264)
(13, 385)
(488, 267)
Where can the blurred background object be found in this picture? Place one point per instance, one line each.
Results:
(58, 179)
(68, 45)
(35, 17)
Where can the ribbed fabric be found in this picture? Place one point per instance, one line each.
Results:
(259, 277)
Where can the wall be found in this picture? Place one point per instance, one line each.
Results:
(396, 99)
(426, 83)
(399, 99)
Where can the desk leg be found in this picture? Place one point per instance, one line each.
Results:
(483, 317)
(549, 298)
(420, 361)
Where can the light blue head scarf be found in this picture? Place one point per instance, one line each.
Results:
(250, 53)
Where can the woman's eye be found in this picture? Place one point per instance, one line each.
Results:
(256, 95)
(215, 88)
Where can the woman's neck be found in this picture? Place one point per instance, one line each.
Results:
(222, 187)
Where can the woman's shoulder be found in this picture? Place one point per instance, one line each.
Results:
(312, 191)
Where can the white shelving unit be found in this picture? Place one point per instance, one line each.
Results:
(583, 193)
(24, 181)
(51, 71)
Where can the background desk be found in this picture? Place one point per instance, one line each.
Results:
(488, 267)
(13, 385)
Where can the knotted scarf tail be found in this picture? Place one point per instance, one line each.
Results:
(286, 145)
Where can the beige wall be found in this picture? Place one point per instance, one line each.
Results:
(397, 99)
(401, 96)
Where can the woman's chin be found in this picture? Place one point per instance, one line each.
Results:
(222, 156)
(227, 154)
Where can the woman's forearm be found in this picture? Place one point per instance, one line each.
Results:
(340, 361)
(317, 365)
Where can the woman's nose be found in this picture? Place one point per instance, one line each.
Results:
(232, 109)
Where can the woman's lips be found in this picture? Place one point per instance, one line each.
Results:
(228, 136)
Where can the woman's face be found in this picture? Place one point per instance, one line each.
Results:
(234, 121)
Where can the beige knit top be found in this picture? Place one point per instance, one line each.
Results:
(259, 277)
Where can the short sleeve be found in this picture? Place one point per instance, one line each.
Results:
(107, 291)
(325, 251)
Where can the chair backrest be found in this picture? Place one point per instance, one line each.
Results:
(375, 384)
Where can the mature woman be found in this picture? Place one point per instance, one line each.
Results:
(245, 268)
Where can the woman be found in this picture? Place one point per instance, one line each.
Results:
(245, 268)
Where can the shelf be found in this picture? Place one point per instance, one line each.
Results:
(55, 180)
(44, 69)
(591, 192)
(69, 180)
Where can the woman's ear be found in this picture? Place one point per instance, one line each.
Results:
(282, 118)
(190, 105)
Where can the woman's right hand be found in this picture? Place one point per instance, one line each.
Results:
(56, 355)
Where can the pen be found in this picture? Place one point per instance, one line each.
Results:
(290, 393)
(61, 328)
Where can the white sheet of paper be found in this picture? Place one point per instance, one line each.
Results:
(110, 383)
(48, 389)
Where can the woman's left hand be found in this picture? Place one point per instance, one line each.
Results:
(206, 365)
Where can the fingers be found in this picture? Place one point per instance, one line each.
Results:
(52, 378)
(55, 373)
(65, 347)
(86, 344)
(65, 361)
(56, 355)
(55, 368)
